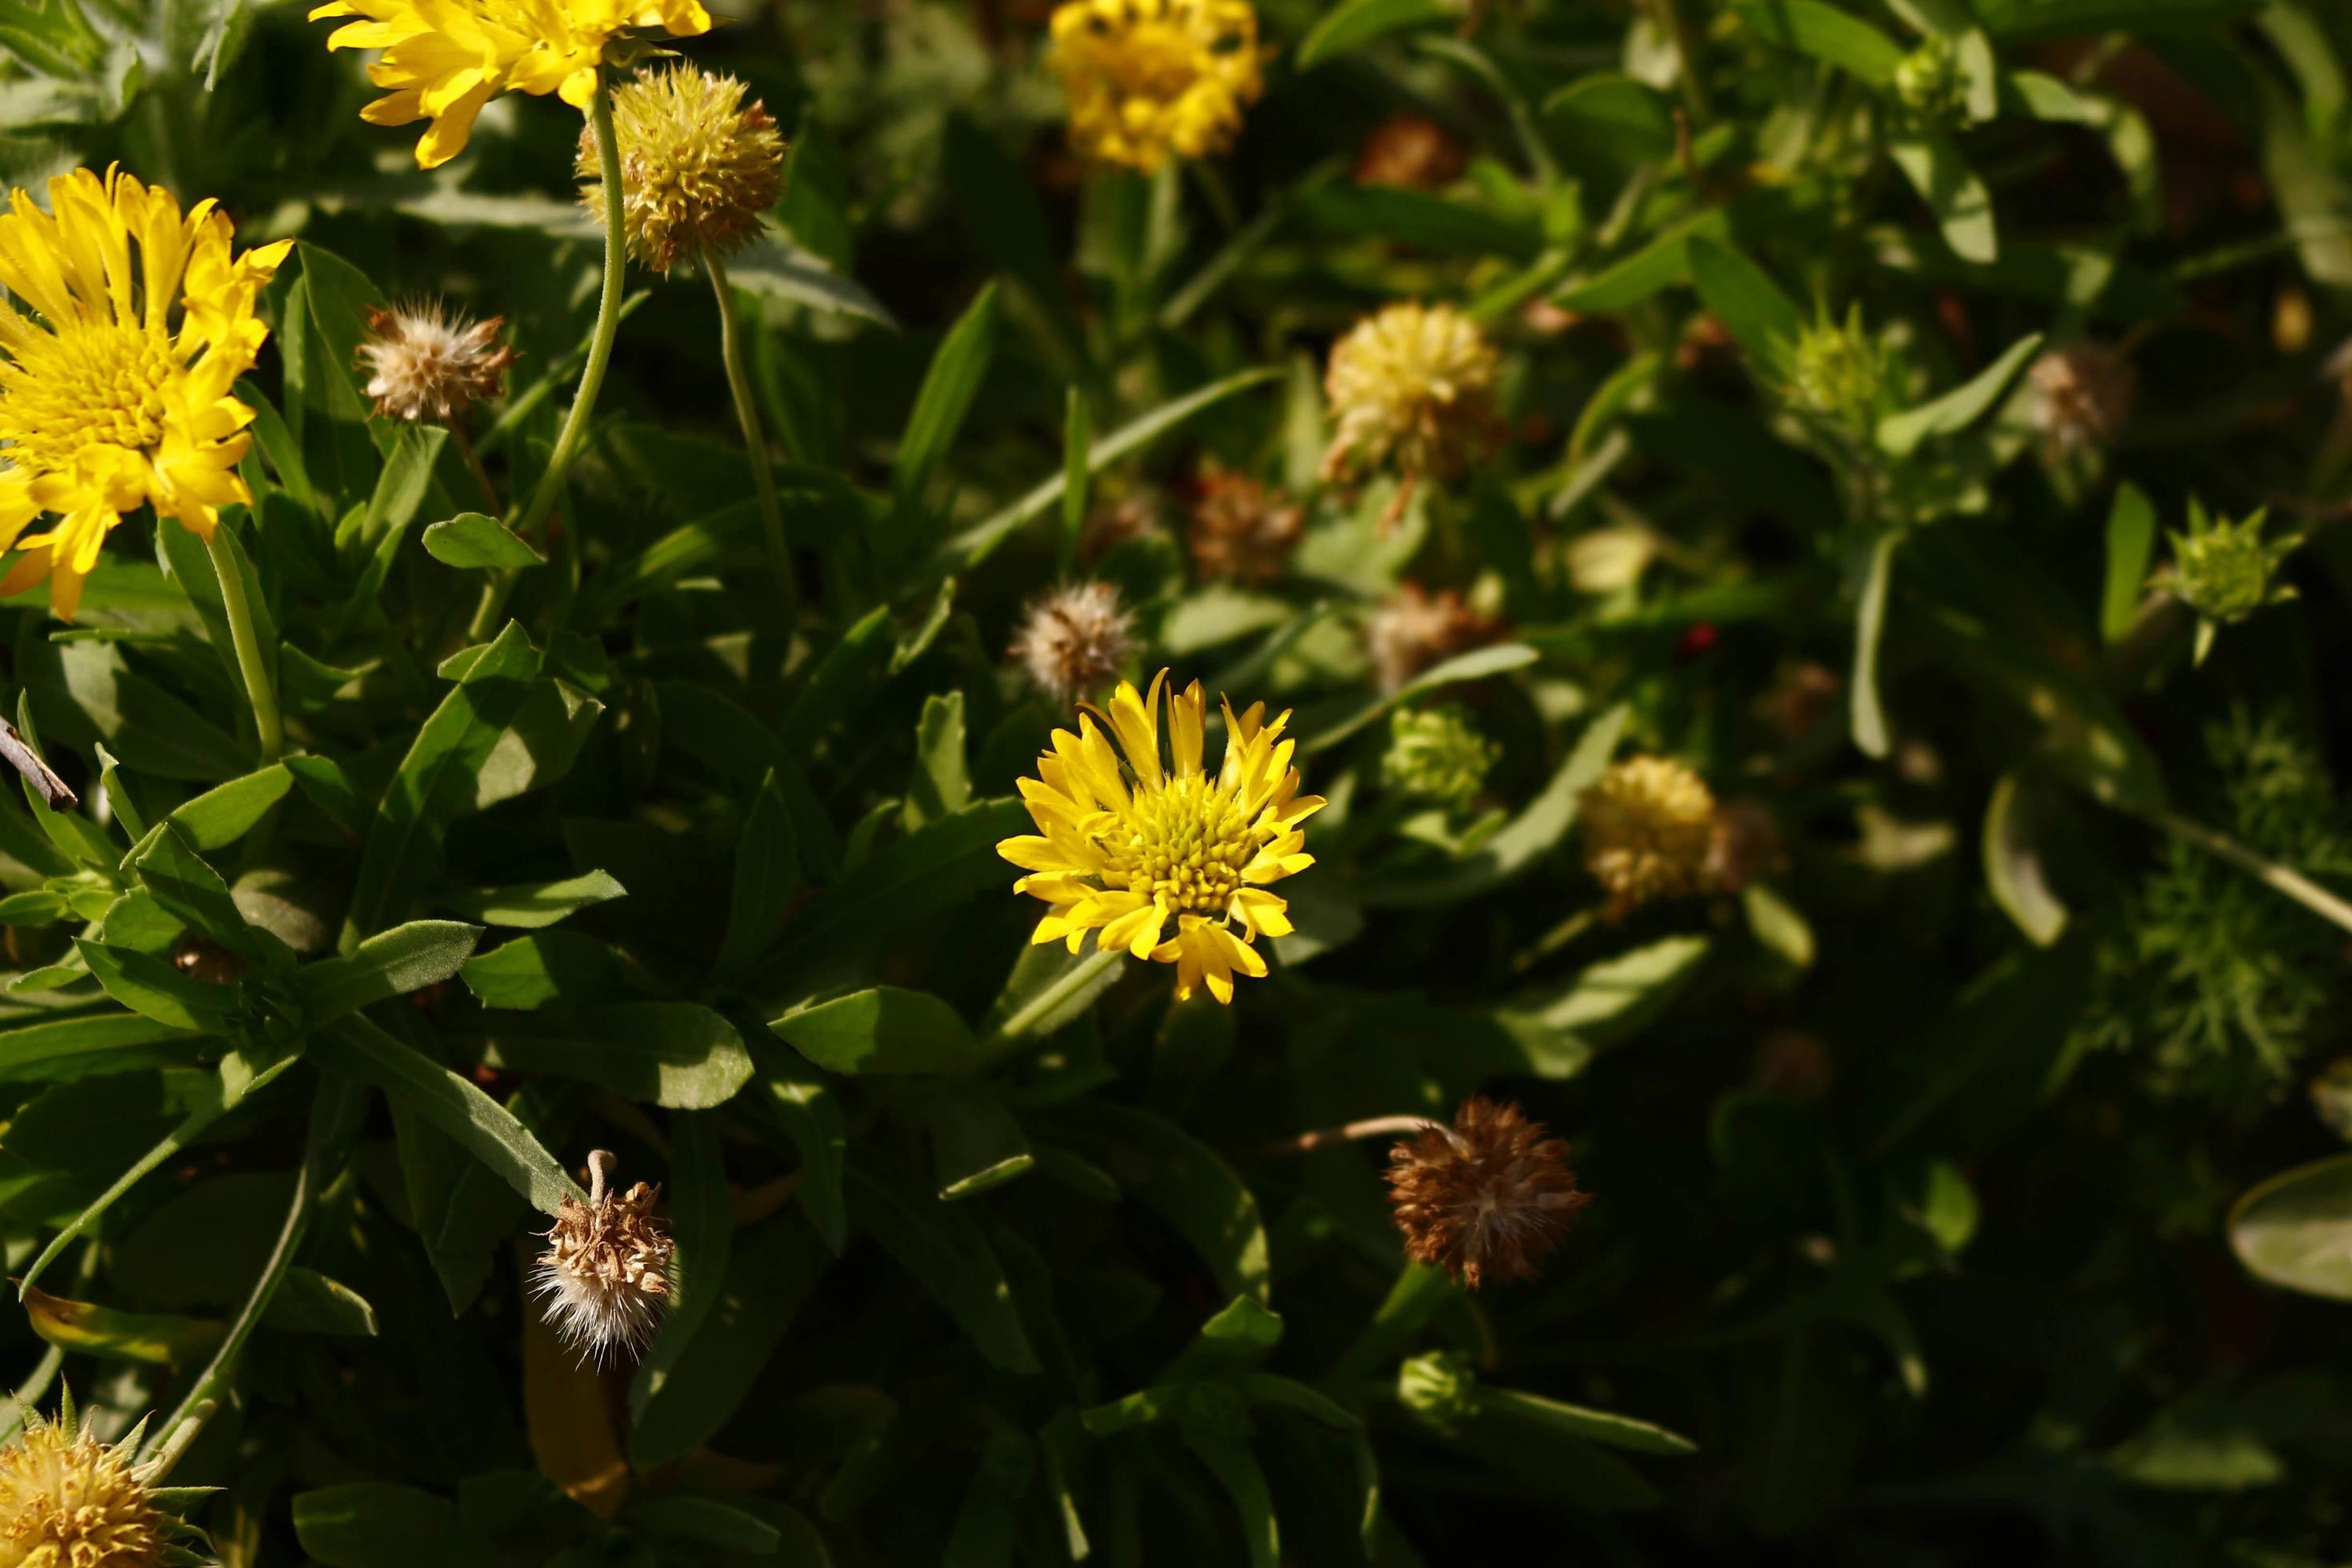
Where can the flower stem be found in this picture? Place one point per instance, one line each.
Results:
(501, 585)
(2279, 878)
(258, 686)
(755, 443)
(1350, 1133)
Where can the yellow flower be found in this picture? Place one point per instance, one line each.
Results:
(442, 60)
(1649, 826)
(698, 170)
(68, 1501)
(115, 391)
(1410, 388)
(1151, 79)
(1123, 852)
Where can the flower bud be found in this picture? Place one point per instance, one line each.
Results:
(1928, 80)
(699, 169)
(1436, 755)
(1837, 372)
(1440, 1387)
(2226, 571)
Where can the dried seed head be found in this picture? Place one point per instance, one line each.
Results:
(699, 169)
(605, 1274)
(1649, 827)
(1413, 628)
(1075, 638)
(1410, 389)
(424, 363)
(1240, 529)
(2082, 395)
(1744, 843)
(1139, 514)
(1489, 1196)
(1412, 151)
(68, 1501)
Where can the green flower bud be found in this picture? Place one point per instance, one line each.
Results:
(1436, 755)
(1441, 1388)
(1928, 80)
(1836, 371)
(2226, 571)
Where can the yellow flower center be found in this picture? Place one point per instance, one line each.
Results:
(1184, 846)
(1157, 60)
(94, 384)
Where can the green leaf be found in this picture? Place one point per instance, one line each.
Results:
(1746, 299)
(1324, 731)
(975, 544)
(473, 541)
(942, 783)
(2131, 542)
(775, 270)
(227, 813)
(772, 1272)
(702, 1224)
(1564, 1024)
(1167, 1169)
(533, 906)
(767, 877)
(376, 1524)
(87, 692)
(2294, 1230)
(1519, 844)
(803, 1106)
(943, 1246)
(1900, 433)
(454, 1104)
(706, 1524)
(845, 681)
(976, 1145)
(151, 985)
(1662, 263)
(1828, 35)
(58, 1049)
(1631, 117)
(2013, 863)
(1578, 1421)
(462, 1211)
(674, 1054)
(1355, 23)
(1865, 712)
(884, 1030)
(1078, 440)
(1962, 205)
(942, 864)
(953, 381)
(192, 891)
(390, 963)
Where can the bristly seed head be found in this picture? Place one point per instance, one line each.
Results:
(1490, 1196)
(427, 364)
(699, 169)
(1075, 638)
(605, 1274)
(68, 1501)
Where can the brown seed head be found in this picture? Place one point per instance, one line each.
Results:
(1240, 529)
(605, 1273)
(1490, 1196)
(1075, 638)
(2083, 395)
(1413, 151)
(424, 363)
(1413, 628)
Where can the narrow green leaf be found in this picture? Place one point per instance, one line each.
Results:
(674, 1054)
(390, 963)
(472, 541)
(1355, 23)
(1828, 35)
(2012, 862)
(227, 813)
(953, 381)
(533, 906)
(2131, 542)
(702, 1224)
(1746, 299)
(884, 1030)
(943, 1248)
(767, 876)
(1900, 433)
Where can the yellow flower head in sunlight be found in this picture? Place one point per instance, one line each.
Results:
(1649, 827)
(68, 1501)
(1410, 388)
(1152, 79)
(699, 168)
(116, 389)
(1125, 851)
(442, 60)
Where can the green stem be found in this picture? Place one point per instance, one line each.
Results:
(2271, 874)
(501, 585)
(1081, 975)
(258, 686)
(755, 443)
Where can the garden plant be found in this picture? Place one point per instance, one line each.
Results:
(1132, 782)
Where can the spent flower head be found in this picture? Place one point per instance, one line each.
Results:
(2082, 395)
(1435, 754)
(68, 1501)
(1413, 628)
(699, 169)
(1488, 1196)
(124, 325)
(1075, 638)
(1160, 858)
(1411, 390)
(1148, 81)
(1240, 528)
(441, 60)
(424, 363)
(605, 1273)
(2226, 571)
(1649, 831)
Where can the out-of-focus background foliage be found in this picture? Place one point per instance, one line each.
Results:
(1965, 1173)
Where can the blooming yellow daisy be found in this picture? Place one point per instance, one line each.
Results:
(442, 60)
(115, 390)
(1149, 80)
(1124, 851)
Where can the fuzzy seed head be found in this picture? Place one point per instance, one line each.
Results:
(1240, 529)
(605, 1273)
(1411, 150)
(2082, 395)
(425, 364)
(1411, 390)
(68, 1501)
(699, 169)
(1413, 629)
(1649, 831)
(1490, 1196)
(1075, 638)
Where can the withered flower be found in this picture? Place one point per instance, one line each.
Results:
(1412, 151)
(1648, 824)
(605, 1274)
(1241, 529)
(1075, 638)
(1413, 628)
(427, 364)
(2082, 395)
(1490, 1196)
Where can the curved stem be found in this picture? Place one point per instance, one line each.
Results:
(755, 443)
(1352, 1132)
(259, 688)
(2279, 878)
(568, 439)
